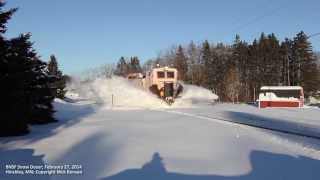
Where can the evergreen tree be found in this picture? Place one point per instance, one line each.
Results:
(240, 60)
(134, 65)
(254, 67)
(122, 67)
(43, 93)
(12, 96)
(24, 84)
(53, 66)
(274, 55)
(59, 83)
(222, 58)
(206, 62)
(268, 63)
(31, 75)
(180, 62)
(4, 17)
(305, 72)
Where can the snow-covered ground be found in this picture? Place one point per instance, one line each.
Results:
(140, 139)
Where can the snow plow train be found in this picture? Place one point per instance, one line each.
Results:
(162, 81)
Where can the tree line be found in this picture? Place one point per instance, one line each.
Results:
(126, 66)
(236, 72)
(28, 84)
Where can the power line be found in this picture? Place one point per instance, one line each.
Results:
(239, 18)
(312, 35)
(258, 18)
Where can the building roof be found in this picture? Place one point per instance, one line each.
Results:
(164, 68)
(281, 88)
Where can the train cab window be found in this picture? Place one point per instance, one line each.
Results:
(160, 74)
(170, 74)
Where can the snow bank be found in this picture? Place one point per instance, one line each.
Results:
(119, 92)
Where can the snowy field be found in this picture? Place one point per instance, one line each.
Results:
(140, 137)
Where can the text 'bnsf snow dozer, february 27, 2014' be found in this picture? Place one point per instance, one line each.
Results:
(162, 81)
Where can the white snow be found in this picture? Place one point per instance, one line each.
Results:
(155, 141)
(281, 88)
(270, 96)
(313, 100)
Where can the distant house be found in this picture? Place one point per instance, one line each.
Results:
(281, 96)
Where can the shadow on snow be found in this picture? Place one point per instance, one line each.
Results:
(265, 166)
(67, 114)
(281, 125)
(94, 153)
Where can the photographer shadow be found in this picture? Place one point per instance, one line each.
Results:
(265, 166)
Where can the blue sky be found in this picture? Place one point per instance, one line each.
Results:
(84, 34)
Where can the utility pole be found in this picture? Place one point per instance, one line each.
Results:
(288, 69)
(254, 94)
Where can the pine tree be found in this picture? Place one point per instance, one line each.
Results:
(222, 57)
(33, 80)
(43, 93)
(12, 96)
(59, 83)
(304, 64)
(240, 60)
(180, 62)
(254, 67)
(53, 66)
(24, 84)
(134, 65)
(206, 62)
(4, 17)
(274, 56)
(122, 67)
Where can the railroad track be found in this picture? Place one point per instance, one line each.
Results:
(309, 133)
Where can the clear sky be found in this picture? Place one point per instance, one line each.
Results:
(88, 33)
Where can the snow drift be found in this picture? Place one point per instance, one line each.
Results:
(119, 92)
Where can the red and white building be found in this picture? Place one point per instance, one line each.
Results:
(281, 96)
